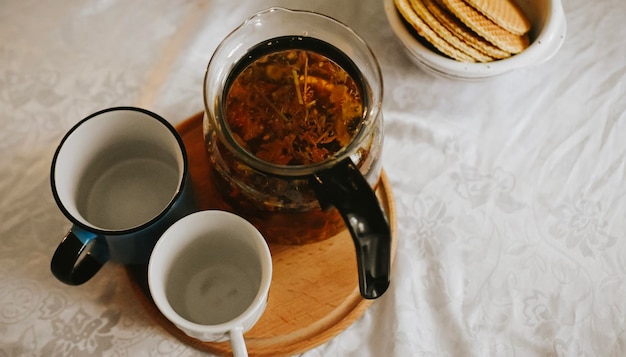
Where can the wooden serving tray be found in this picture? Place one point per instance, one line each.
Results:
(314, 293)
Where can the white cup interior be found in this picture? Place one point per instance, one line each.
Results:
(210, 275)
(118, 170)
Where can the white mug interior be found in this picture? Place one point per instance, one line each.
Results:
(210, 274)
(118, 170)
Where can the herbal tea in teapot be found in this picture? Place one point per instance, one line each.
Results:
(293, 102)
(294, 106)
(293, 129)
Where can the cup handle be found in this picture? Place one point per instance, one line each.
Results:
(79, 256)
(344, 187)
(237, 342)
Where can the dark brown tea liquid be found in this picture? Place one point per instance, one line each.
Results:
(291, 101)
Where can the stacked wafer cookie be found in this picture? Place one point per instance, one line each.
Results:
(469, 30)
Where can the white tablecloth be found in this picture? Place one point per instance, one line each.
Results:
(510, 193)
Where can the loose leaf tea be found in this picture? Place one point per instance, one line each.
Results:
(290, 100)
(293, 107)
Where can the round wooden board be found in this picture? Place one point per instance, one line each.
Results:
(314, 294)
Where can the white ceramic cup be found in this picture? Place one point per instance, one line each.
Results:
(210, 274)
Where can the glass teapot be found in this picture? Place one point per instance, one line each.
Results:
(294, 130)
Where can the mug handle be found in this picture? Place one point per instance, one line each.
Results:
(344, 187)
(237, 342)
(79, 256)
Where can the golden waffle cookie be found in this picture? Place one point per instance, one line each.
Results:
(455, 26)
(420, 9)
(504, 13)
(407, 12)
(486, 28)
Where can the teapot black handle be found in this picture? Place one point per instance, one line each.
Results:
(77, 260)
(344, 187)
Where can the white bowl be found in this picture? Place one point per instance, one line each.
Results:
(547, 34)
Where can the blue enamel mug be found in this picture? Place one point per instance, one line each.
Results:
(121, 177)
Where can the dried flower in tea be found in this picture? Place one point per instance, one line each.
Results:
(293, 107)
